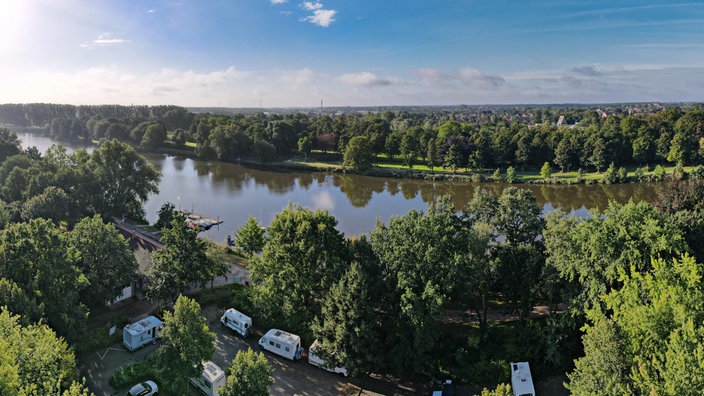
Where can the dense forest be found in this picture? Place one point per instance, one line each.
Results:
(624, 286)
(523, 137)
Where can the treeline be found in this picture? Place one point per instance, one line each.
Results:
(380, 303)
(60, 255)
(471, 138)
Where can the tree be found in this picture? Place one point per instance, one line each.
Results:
(9, 144)
(432, 154)
(303, 255)
(358, 154)
(250, 237)
(124, 180)
(305, 146)
(649, 338)
(53, 204)
(348, 329)
(154, 136)
(106, 259)
(422, 257)
(37, 256)
(682, 149)
(409, 150)
(589, 254)
(34, 361)
(186, 343)
(249, 374)
(167, 213)
(511, 175)
(453, 158)
(183, 260)
(545, 171)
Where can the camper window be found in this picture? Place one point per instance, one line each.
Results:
(271, 343)
(287, 349)
(278, 345)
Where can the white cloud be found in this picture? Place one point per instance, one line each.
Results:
(367, 79)
(104, 40)
(151, 11)
(298, 78)
(475, 77)
(321, 18)
(278, 1)
(432, 76)
(324, 200)
(311, 6)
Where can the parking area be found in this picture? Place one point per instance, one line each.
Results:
(290, 378)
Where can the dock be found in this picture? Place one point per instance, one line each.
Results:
(199, 220)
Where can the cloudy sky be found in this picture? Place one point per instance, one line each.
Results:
(283, 53)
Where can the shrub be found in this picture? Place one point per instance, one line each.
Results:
(659, 173)
(610, 176)
(511, 176)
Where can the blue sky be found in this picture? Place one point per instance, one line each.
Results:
(285, 53)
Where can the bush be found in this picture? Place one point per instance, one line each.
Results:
(639, 173)
(135, 372)
(622, 175)
(580, 175)
(511, 176)
(610, 176)
(679, 172)
(659, 173)
(99, 338)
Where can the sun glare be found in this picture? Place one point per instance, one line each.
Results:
(12, 14)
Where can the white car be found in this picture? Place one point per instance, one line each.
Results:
(146, 388)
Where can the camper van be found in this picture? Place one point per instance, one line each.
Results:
(210, 380)
(141, 333)
(316, 360)
(521, 381)
(282, 343)
(237, 321)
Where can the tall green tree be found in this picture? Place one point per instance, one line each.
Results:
(303, 255)
(250, 237)
(358, 154)
(421, 254)
(38, 256)
(182, 260)
(348, 326)
(106, 259)
(249, 374)
(589, 254)
(9, 144)
(35, 361)
(649, 339)
(186, 343)
(124, 180)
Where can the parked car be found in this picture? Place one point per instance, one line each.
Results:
(146, 388)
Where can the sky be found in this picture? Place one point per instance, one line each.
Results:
(289, 53)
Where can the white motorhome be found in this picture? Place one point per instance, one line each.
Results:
(282, 343)
(237, 321)
(141, 333)
(210, 380)
(316, 360)
(521, 380)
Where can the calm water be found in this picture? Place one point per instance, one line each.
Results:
(234, 192)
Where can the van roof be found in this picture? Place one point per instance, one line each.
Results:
(142, 325)
(212, 371)
(521, 380)
(284, 336)
(239, 315)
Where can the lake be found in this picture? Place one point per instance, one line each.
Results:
(234, 192)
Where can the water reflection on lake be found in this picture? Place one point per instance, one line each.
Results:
(234, 192)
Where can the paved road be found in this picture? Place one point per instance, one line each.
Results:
(290, 378)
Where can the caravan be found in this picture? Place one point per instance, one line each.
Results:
(211, 380)
(282, 343)
(141, 333)
(316, 360)
(521, 380)
(237, 321)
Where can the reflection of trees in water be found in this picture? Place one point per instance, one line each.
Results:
(359, 189)
(409, 188)
(568, 198)
(179, 163)
(305, 180)
(392, 186)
